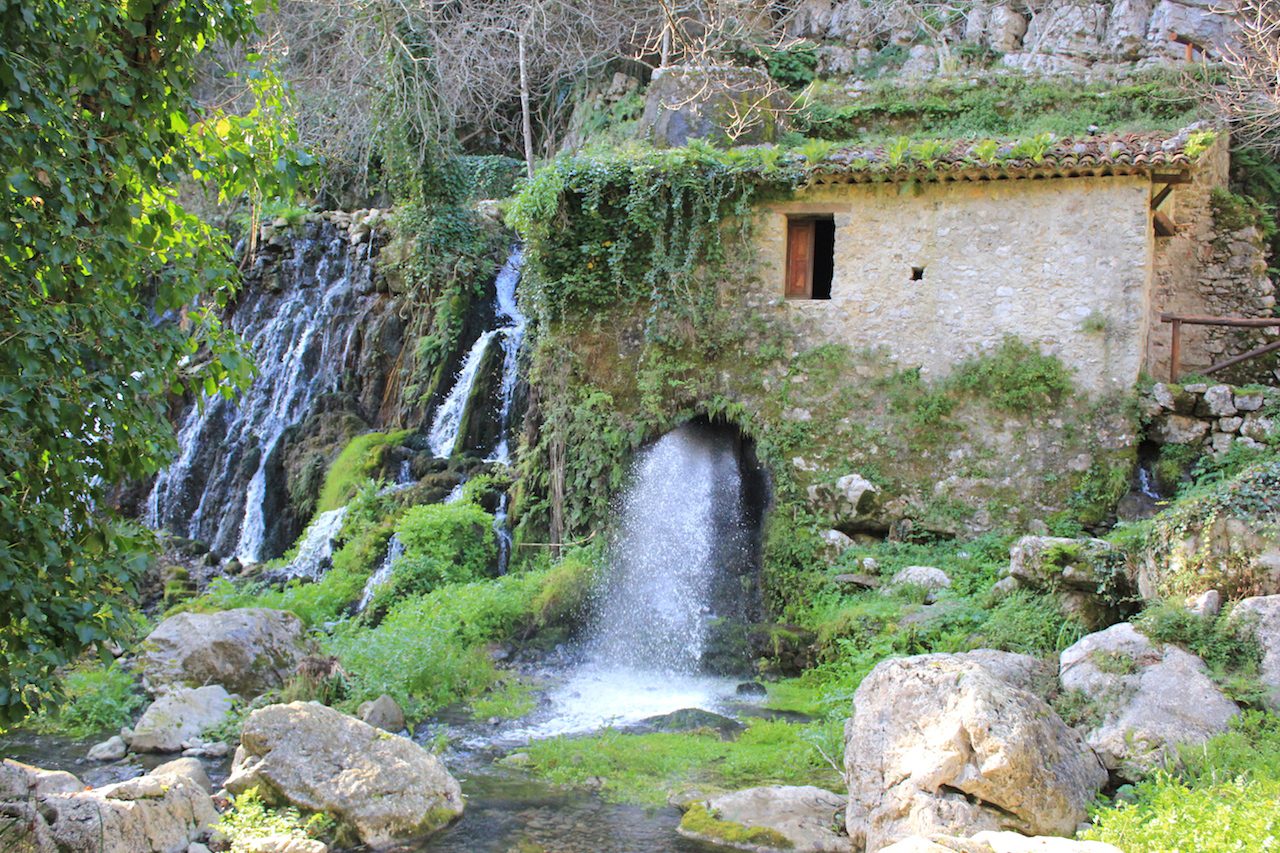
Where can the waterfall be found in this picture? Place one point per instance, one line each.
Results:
(395, 550)
(443, 437)
(681, 512)
(684, 537)
(512, 339)
(315, 551)
(300, 335)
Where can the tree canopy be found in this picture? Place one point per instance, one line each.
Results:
(110, 294)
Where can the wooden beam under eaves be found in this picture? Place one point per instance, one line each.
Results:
(1164, 226)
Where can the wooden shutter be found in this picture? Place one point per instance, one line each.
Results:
(800, 237)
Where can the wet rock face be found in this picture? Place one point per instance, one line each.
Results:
(957, 743)
(247, 650)
(385, 788)
(1148, 698)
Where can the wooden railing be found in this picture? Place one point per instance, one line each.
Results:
(1175, 343)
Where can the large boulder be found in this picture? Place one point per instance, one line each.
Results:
(724, 104)
(1086, 575)
(946, 743)
(801, 819)
(386, 788)
(1146, 698)
(1261, 614)
(180, 715)
(248, 651)
(159, 813)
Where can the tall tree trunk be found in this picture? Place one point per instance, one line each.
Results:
(525, 116)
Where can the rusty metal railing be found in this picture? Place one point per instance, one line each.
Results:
(1175, 343)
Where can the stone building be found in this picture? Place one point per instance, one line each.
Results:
(1078, 247)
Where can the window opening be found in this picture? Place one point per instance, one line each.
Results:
(811, 243)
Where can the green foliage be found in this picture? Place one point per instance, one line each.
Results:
(702, 822)
(616, 227)
(507, 699)
(1221, 800)
(565, 593)
(793, 66)
(1015, 378)
(97, 698)
(1028, 623)
(98, 129)
(250, 819)
(644, 768)
(999, 106)
(443, 544)
(1248, 488)
(1227, 646)
(1256, 174)
(355, 464)
(428, 651)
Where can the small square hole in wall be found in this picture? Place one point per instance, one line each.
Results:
(917, 273)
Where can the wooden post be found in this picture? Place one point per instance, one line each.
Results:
(1175, 350)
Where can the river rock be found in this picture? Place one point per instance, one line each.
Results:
(805, 816)
(190, 768)
(158, 813)
(248, 651)
(178, 716)
(1150, 698)
(384, 713)
(112, 749)
(385, 788)
(942, 743)
(931, 580)
(1262, 616)
(997, 842)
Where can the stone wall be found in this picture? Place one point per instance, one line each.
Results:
(1206, 270)
(1064, 263)
(1214, 417)
(1056, 36)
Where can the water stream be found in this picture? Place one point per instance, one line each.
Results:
(300, 334)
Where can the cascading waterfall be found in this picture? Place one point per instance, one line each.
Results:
(315, 550)
(443, 437)
(299, 337)
(512, 340)
(382, 574)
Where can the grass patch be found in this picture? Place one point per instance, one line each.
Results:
(644, 768)
(1227, 646)
(507, 699)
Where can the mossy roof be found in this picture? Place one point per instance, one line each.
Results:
(965, 160)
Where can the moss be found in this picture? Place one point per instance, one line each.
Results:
(702, 822)
(358, 461)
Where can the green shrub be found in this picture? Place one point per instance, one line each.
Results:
(355, 464)
(567, 589)
(443, 544)
(428, 650)
(250, 819)
(96, 699)
(1227, 646)
(1015, 378)
(1223, 799)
